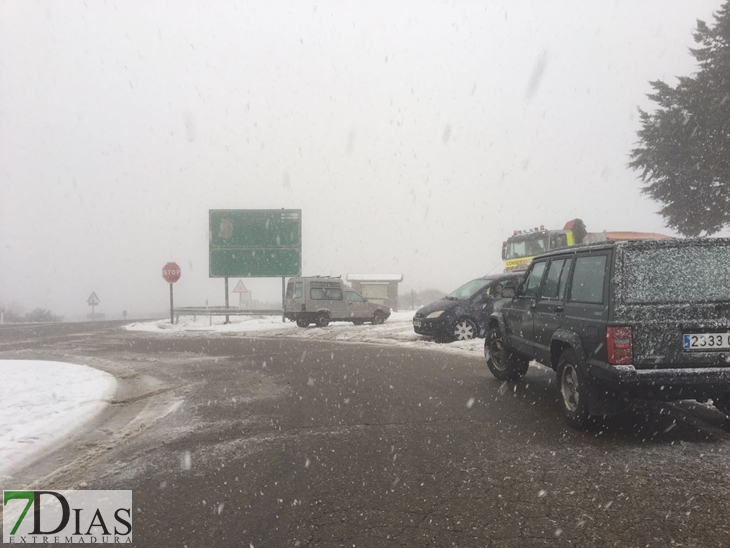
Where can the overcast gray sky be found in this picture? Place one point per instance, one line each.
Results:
(415, 136)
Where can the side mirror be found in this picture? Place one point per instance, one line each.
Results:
(509, 291)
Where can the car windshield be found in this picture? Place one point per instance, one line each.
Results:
(678, 274)
(526, 246)
(468, 290)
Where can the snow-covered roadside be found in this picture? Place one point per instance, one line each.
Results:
(43, 403)
(397, 330)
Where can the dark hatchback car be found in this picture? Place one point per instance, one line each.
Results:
(463, 314)
(646, 319)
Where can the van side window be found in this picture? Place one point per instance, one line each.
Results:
(354, 297)
(532, 282)
(333, 294)
(316, 294)
(588, 277)
(298, 290)
(289, 290)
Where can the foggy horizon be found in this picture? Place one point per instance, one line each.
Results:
(414, 137)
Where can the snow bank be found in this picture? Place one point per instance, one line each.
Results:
(239, 324)
(43, 403)
(397, 330)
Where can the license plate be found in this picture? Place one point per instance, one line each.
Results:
(707, 341)
(416, 323)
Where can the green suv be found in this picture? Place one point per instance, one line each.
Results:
(620, 320)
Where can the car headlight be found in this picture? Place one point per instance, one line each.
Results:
(434, 315)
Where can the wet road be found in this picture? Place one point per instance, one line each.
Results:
(235, 441)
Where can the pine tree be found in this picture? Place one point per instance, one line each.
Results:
(683, 151)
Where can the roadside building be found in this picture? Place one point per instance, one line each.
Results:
(377, 288)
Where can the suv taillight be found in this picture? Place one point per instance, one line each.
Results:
(619, 345)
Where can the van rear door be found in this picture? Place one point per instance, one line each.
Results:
(294, 296)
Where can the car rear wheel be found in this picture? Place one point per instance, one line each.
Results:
(503, 363)
(302, 323)
(323, 319)
(574, 390)
(378, 318)
(465, 330)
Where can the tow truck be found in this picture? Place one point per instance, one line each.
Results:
(520, 248)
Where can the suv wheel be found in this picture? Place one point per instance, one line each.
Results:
(504, 364)
(574, 390)
(323, 319)
(302, 323)
(465, 330)
(378, 318)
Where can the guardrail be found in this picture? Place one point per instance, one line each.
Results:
(223, 311)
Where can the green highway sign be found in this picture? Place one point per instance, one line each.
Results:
(255, 243)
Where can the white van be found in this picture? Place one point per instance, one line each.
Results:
(323, 299)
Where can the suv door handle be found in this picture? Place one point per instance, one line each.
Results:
(559, 309)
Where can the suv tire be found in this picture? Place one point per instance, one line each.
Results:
(574, 390)
(503, 363)
(322, 320)
(302, 322)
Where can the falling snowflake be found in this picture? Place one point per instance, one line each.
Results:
(185, 461)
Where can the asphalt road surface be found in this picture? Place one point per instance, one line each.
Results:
(237, 441)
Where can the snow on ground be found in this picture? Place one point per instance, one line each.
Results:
(397, 330)
(43, 403)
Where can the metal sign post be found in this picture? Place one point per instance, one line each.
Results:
(227, 321)
(171, 273)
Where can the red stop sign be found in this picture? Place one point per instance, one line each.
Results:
(171, 272)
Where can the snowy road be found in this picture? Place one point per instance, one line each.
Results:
(233, 440)
(396, 331)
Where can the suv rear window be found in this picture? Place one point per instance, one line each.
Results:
(678, 274)
(588, 277)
